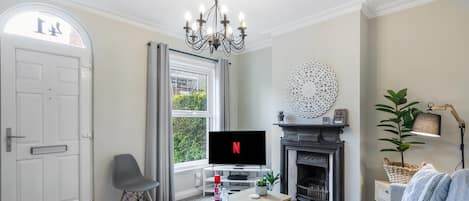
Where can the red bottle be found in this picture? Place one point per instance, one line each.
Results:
(216, 191)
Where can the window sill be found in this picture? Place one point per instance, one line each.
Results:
(191, 165)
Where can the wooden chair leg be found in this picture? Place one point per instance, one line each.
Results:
(148, 195)
(123, 195)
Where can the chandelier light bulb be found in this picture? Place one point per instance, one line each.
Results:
(202, 9)
(241, 17)
(224, 9)
(243, 24)
(195, 26)
(209, 31)
(188, 17)
(229, 31)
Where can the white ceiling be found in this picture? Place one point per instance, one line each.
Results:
(263, 17)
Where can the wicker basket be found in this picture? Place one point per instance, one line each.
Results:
(398, 174)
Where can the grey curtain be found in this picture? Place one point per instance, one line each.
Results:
(159, 132)
(224, 93)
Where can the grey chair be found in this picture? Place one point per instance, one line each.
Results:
(126, 176)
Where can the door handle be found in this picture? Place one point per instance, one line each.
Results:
(9, 139)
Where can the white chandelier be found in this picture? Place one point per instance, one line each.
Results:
(204, 33)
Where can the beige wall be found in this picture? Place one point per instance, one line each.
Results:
(120, 95)
(365, 84)
(426, 50)
(255, 92)
(337, 43)
(120, 92)
(255, 89)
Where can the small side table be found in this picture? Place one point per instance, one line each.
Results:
(382, 191)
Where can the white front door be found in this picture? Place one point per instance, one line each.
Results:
(45, 121)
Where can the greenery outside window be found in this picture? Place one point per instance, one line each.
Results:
(192, 82)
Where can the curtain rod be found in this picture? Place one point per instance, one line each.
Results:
(191, 54)
(195, 55)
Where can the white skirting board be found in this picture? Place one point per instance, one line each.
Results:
(188, 193)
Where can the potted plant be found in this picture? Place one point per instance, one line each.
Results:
(261, 187)
(271, 180)
(398, 127)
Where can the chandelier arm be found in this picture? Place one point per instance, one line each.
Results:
(196, 44)
(203, 43)
(238, 46)
(227, 47)
(209, 13)
(238, 42)
(188, 39)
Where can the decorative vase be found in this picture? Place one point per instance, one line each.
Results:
(261, 190)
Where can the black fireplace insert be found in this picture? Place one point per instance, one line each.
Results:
(312, 162)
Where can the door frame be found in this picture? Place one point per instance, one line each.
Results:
(86, 56)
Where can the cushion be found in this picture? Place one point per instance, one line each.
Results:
(458, 190)
(418, 182)
(441, 190)
(429, 188)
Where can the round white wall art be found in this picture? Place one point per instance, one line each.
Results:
(312, 89)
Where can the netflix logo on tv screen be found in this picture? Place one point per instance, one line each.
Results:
(237, 147)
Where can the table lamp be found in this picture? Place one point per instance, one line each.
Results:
(429, 124)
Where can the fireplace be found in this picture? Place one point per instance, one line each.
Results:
(312, 162)
(313, 176)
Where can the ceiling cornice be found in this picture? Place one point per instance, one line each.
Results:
(328, 14)
(257, 45)
(396, 6)
(145, 24)
(367, 8)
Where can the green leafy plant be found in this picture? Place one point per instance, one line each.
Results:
(400, 123)
(189, 133)
(269, 177)
(262, 182)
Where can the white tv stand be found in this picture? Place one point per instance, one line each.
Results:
(255, 173)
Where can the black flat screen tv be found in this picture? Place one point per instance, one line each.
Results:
(237, 148)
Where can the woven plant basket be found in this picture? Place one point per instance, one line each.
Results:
(398, 174)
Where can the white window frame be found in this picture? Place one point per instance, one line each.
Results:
(194, 65)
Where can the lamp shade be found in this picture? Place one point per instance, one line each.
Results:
(427, 124)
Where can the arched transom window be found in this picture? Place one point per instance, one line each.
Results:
(43, 26)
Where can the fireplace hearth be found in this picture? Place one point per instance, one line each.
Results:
(312, 158)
